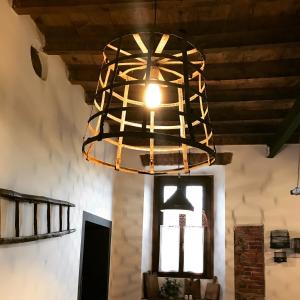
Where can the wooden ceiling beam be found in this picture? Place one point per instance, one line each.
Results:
(213, 72)
(290, 124)
(237, 95)
(220, 86)
(34, 7)
(268, 52)
(224, 7)
(223, 158)
(226, 114)
(228, 139)
(70, 44)
(177, 26)
(256, 105)
(234, 127)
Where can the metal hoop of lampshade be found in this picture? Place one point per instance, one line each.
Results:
(179, 124)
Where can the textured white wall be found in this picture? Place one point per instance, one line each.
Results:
(218, 172)
(127, 232)
(258, 192)
(147, 224)
(41, 129)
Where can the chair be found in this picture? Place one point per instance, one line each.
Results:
(212, 291)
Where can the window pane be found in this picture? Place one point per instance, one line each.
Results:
(193, 249)
(169, 248)
(170, 217)
(195, 196)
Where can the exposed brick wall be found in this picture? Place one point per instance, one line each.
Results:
(249, 268)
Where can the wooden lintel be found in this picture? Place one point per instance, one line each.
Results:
(286, 130)
(194, 158)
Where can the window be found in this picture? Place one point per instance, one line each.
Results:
(181, 245)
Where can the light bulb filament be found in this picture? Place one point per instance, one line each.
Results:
(152, 95)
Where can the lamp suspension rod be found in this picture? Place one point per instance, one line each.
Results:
(155, 14)
(298, 167)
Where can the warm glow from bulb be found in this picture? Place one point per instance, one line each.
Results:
(153, 95)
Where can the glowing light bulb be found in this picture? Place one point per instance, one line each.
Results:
(152, 95)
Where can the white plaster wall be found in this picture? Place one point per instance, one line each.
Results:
(147, 224)
(218, 172)
(41, 129)
(258, 192)
(127, 235)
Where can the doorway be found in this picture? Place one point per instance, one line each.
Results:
(94, 258)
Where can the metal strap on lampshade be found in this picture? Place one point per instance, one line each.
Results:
(178, 201)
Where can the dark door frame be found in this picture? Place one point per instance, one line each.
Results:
(88, 217)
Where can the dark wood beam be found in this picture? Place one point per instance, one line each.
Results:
(236, 127)
(34, 7)
(260, 69)
(89, 44)
(220, 86)
(268, 52)
(286, 130)
(267, 126)
(226, 139)
(213, 72)
(237, 95)
(172, 159)
(224, 8)
(216, 115)
(257, 105)
(198, 27)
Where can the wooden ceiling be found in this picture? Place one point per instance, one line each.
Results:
(252, 50)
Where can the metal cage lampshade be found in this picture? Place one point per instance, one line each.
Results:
(151, 94)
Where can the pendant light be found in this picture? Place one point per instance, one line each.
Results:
(150, 98)
(178, 201)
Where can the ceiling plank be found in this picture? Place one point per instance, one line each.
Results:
(268, 52)
(238, 105)
(213, 72)
(234, 127)
(172, 159)
(286, 130)
(255, 7)
(219, 86)
(225, 114)
(237, 95)
(227, 139)
(69, 44)
(199, 27)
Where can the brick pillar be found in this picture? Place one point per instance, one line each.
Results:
(249, 267)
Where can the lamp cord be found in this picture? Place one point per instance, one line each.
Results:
(298, 175)
(155, 13)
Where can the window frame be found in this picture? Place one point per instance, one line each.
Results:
(208, 206)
